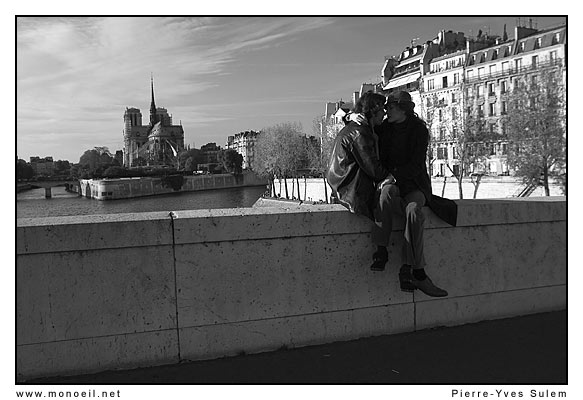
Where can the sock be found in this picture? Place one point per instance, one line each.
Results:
(382, 250)
(419, 274)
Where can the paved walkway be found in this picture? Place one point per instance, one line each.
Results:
(523, 350)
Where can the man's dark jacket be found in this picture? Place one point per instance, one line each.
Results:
(354, 168)
(403, 151)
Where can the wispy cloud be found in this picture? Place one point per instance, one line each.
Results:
(85, 69)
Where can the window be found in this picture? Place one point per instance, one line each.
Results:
(492, 150)
(504, 148)
(491, 89)
(480, 91)
(454, 132)
(441, 133)
(503, 86)
(521, 47)
(505, 66)
(492, 109)
(440, 115)
(470, 73)
(481, 72)
(429, 102)
(538, 43)
(495, 54)
(454, 153)
(430, 84)
(534, 80)
(492, 69)
(534, 61)
(444, 81)
(453, 98)
(503, 108)
(454, 114)
(518, 63)
(481, 110)
(556, 38)
(553, 56)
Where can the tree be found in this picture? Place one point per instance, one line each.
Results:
(279, 152)
(231, 160)
(23, 170)
(536, 126)
(459, 137)
(94, 162)
(319, 157)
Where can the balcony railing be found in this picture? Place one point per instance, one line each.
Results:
(514, 70)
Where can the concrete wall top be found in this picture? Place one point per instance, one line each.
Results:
(270, 219)
(91, 232)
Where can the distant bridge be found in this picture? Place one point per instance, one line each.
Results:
(47, 185)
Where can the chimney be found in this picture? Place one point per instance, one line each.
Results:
(355, 97)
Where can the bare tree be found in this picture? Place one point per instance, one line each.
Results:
(279, 152)
(536, 126)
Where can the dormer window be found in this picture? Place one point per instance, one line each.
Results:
(538, 43)
(521, 47)
(556, 38)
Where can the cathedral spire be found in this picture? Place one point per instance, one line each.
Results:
(153, 115)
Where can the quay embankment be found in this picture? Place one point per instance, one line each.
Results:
(121, 291)
(127, 188)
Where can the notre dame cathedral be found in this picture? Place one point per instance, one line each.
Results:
(157, 143)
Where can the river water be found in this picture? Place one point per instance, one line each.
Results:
(32, 203)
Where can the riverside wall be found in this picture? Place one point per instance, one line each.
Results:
(122, 291)
(127, 188)
(315, 190)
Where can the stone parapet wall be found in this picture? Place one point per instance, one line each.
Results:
(133, 290)
(127, 188)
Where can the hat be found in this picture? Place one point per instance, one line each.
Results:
(400, 97)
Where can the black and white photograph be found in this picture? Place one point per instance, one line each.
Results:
(327, 202)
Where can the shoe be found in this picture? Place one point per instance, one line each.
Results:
(406, 278)
(427, 287)
(379, 261)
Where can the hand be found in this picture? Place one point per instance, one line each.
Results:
(389, 180)
(358, 118)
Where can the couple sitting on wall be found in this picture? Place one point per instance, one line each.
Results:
(378, 166)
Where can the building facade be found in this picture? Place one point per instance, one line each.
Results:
(453, 79)
(244, 144)
(156, 143)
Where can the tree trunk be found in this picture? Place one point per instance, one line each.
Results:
(305, 187)
(279, 194)
(459, 184)
(293, 187)
(443, 188)
(285, 184)
(298, 182)
(476, 185)
(325, 190)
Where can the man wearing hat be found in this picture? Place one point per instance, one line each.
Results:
(403, 142)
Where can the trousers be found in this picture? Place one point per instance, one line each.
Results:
(390, 203)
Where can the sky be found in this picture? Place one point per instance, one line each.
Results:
(217, 76)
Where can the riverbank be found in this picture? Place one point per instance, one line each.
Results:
(491, 187)
(21, 187)
(127, 188)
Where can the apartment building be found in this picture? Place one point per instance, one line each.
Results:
(476, 79)
(244, 144)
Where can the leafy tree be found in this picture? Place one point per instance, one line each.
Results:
(536, 126)
(231, 160)
(189, 164)
(115, 171)
(23, 170)
(194, 154)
